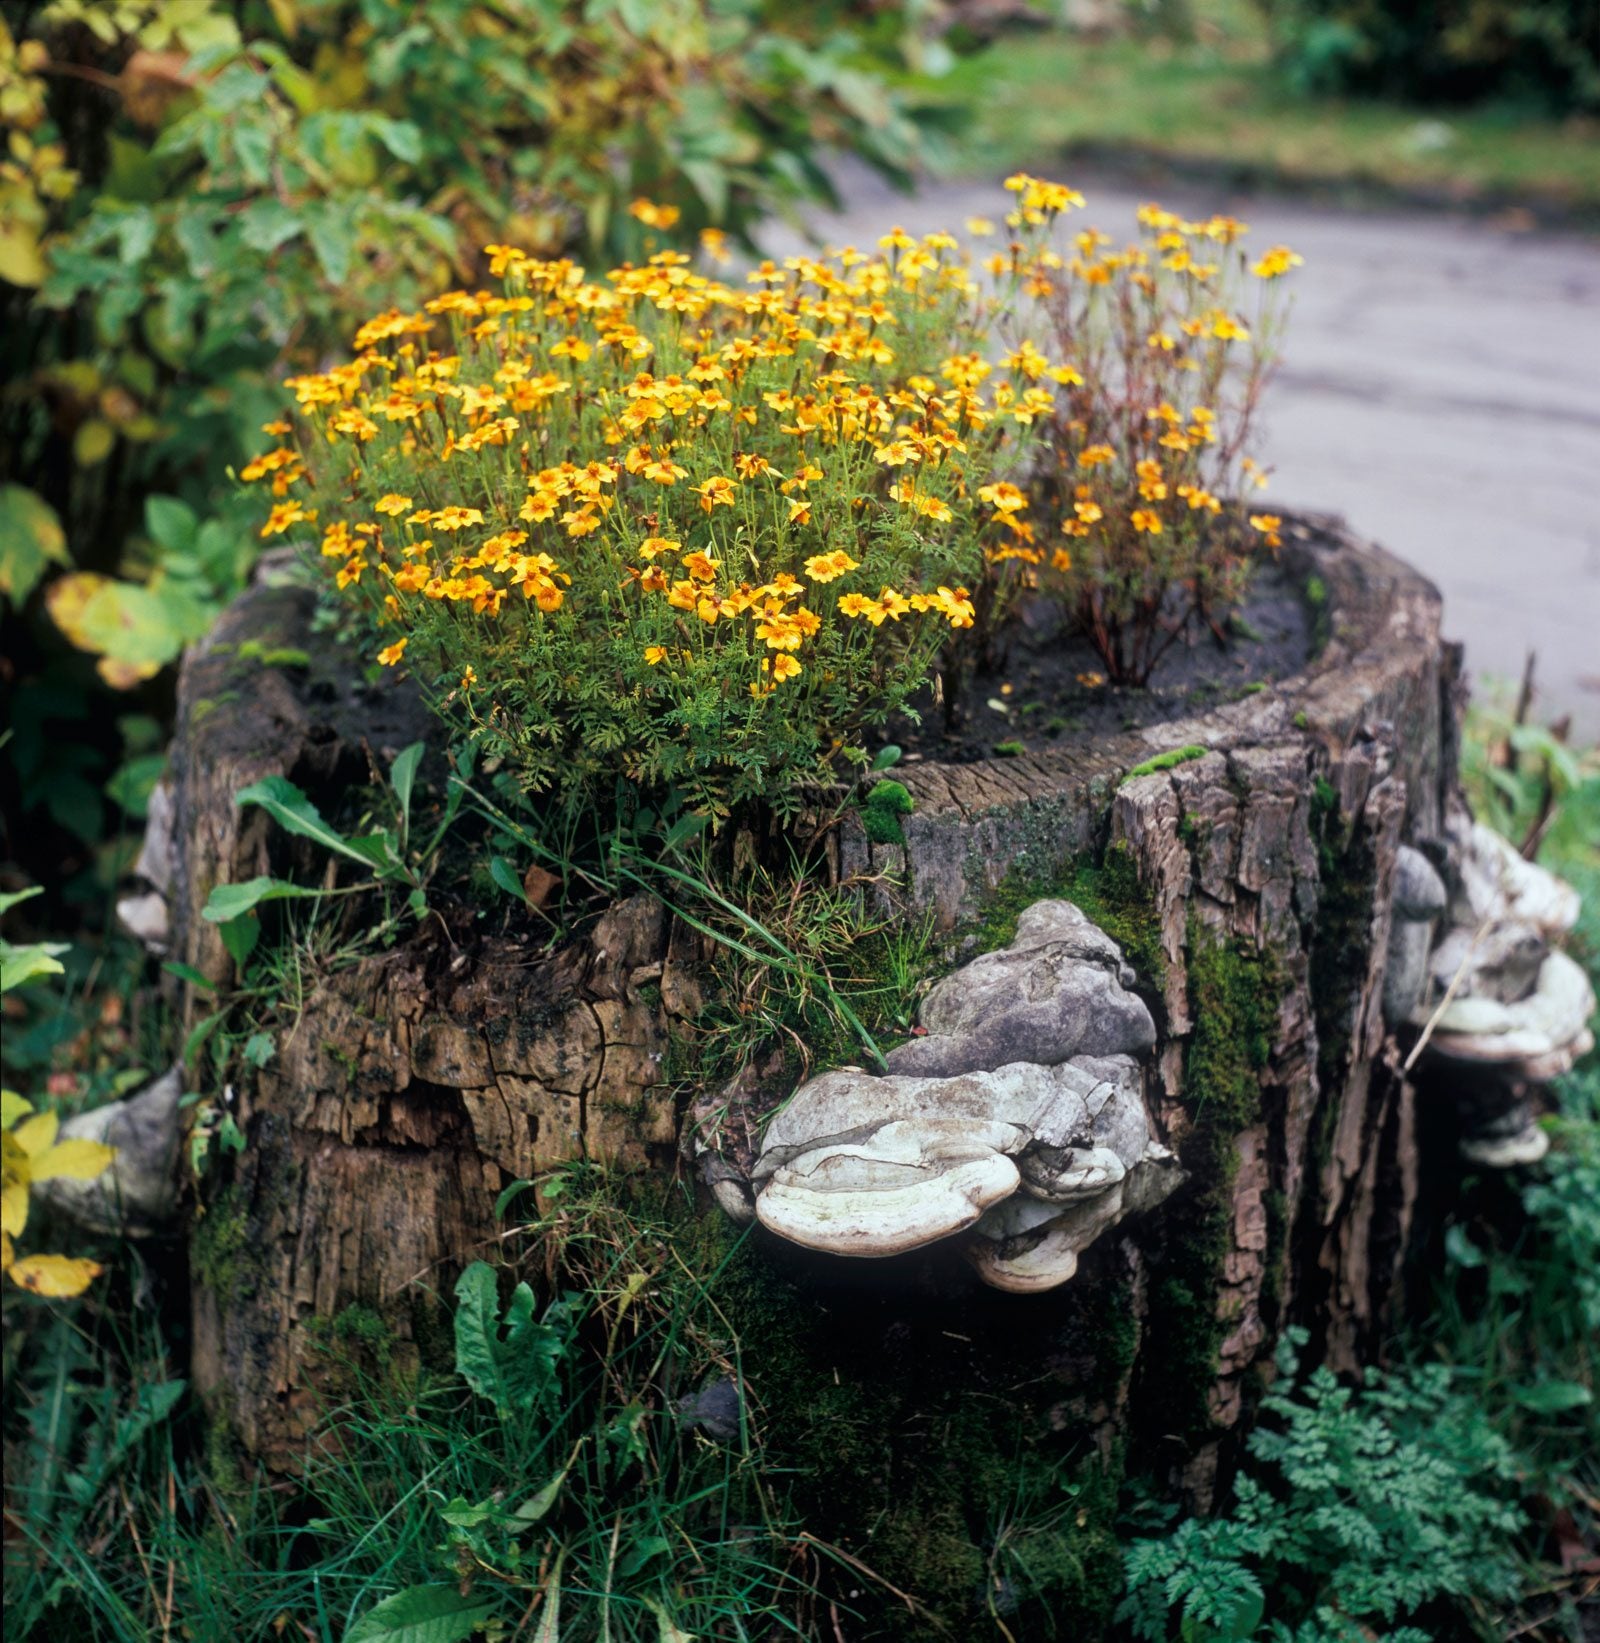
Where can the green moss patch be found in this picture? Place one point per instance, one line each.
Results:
(1168, 761)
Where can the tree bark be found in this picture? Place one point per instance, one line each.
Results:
(414, 1086)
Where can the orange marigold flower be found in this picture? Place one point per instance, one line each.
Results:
(390, 654)
(1095, 456)
(285, 514)
(654, 654)
(716, 492)
(1146, 520)
(701, 566)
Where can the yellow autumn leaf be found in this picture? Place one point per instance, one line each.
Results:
(37, 1134)
(14, 1207)
(12, 1107)
(54, 1276)
(72, 1160)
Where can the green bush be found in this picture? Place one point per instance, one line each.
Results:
(1540, 52)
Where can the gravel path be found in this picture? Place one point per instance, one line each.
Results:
(1440, 389)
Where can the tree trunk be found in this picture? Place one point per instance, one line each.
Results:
(412, 1087)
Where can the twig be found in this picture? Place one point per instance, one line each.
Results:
(1449, 994)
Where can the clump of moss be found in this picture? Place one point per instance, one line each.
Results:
(886, 803)
(1168, 761)
(1107, 890)
(219, 1240)
(1234, 993)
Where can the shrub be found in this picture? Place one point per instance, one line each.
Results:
(1543, 52)
(1149, 442)
(654, 535)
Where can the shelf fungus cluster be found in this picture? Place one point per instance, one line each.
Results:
(1016, 1121)
(1476, 967)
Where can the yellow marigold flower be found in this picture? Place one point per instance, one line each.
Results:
(799, 512)
(701, 566)
(829, 567)
(390, 654)
(1003, 497)
(1095, 456)
(653, 215)
(1268, 524)
(715, 245)
(664, 471)
(392, 504)
(1089, 512)
(1061, 560)
(1091, 681)
(541, 505)
(653, 580)
(683, 596)
(456, 519)
(712, 606)
(783, 667)
(279, 429)
(896, 453)
(469, 677)
(753, 467)
(855, 604)
(653, 546)
(285, 514)
(654, 654)
(1275, 262)
(979, 227)
(716, 492)
(581, 521)
(1146, 520)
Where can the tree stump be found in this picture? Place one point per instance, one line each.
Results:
(415, 1085)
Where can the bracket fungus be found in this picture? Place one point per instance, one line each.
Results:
(1504, 1008)
(1018, 1120)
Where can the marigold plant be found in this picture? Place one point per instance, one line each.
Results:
(662, 531)
(1167, 344)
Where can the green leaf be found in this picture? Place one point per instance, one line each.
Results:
(259, 1049)
(30, 538)
(11, 898)
(295, 813)
(1552, 1397)
(535, 1507)
(20, 965)
(333, 239)
(239, 936)
(500, 870)
(266, 224)
(131, 786)
(403, 777)
(231, 901)
(887, 758)
(400, 137)
(422, 1614)
(509, 1361)
(170, 523)
(187, 972)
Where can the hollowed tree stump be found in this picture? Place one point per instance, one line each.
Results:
(411, 1087)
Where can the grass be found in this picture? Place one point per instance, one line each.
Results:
(1219, 103)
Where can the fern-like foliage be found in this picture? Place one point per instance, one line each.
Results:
(1365, 1504)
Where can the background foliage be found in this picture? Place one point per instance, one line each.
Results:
(1543, 53)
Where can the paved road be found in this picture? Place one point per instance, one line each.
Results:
(1440, 388)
